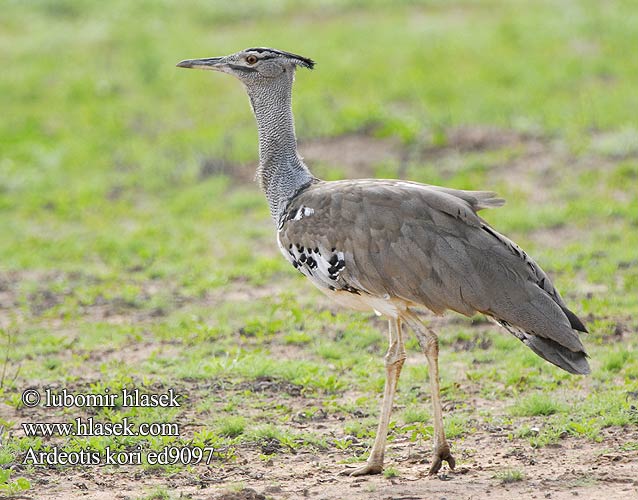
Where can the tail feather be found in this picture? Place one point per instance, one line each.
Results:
(478, 200)
(573, 362)
(574, 321)
(550, 350)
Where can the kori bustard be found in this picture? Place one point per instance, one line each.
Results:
(393, 246)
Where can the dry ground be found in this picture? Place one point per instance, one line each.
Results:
(567, 470)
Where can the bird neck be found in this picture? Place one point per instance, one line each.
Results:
(281, 171)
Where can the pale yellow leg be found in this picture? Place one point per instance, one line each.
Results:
(394, 359)
(429, 343)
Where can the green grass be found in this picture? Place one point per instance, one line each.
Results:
(136, 254)
(232, 427)
(510, 476)
(536, 404)
(390, 472)
(12, 486)
(157, 494)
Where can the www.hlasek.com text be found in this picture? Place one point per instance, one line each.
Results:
(91, 427)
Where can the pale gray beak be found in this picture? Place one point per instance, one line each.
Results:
(213, 63)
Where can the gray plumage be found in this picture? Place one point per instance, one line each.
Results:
(393, 245)
(427, 246)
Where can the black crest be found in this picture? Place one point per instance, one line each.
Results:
(301, 60)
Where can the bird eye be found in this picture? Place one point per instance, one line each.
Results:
(251, 59)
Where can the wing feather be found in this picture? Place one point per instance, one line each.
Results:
(427, 245)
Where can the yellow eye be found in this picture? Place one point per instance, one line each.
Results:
(251, 59)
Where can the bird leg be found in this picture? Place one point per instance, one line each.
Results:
(394, 359)
(429, 343)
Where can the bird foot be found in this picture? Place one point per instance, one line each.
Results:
(364, 470)
(439, 457)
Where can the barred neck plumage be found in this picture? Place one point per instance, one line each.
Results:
(281, 171)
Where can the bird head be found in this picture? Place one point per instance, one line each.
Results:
(256, 66)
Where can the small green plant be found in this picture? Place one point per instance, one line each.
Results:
(416, 414)
(526, 431)
(509, 476)
(615, 361)
(232, 427)
(12, 486)
(630, 446)
(418, 430)
(158, 493)
(361, 429)
(456, 425)
(297, 337)
(589, 428)
(548, 435)
(6, 455)
(390, 472)
(15, 400)
(342, 444)
(535, 405)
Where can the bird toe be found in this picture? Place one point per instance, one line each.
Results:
(364, 470)
(439, 458)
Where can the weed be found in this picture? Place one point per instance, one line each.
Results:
(589, 428)
(232, 427)
(360, 429)
(12, 486)
(158, 493)
(390, 472)
(630, 446)
(536, 404)
(616, 361)
(415, 414)
(510, 476)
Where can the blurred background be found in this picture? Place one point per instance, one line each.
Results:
(113, 158)
(136, 249)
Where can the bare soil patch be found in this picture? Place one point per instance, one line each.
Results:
(570, 469)
(533, 163)
(356, 154)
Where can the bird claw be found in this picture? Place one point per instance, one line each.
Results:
(439, 457)
(364, 470)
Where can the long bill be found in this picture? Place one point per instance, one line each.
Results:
(205, 63)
